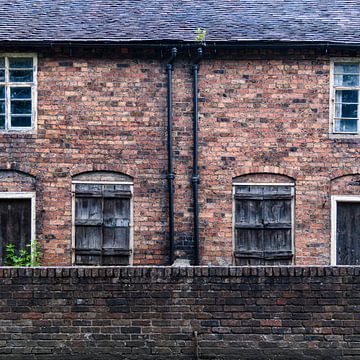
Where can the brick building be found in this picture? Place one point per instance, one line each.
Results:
(85, 110)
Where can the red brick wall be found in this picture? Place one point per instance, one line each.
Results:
(260, 112)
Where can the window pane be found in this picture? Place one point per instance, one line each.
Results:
(346, 110)
(2, 92)
(346, 96)
(22, 63)
(346, 80)
(2, 107)
(346, 68)
(2, 121)
(2, 75)
(21, 107)
(2, 62)
(20, 93)
(346, 126)
(21, 75)
(21, 121)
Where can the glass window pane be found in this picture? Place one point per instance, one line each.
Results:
(20, 93)
(347, 96)
(2, 92)
(2, 121)
(21, 121)
(346, 80)
(346, 110)
(346, 126)
(2, 75)
(2, 62)
(347, 68)
(2, 107)
(20, 63)
(21, 75)
(349, 110)
(21, 107)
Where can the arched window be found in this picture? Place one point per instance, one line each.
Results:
(102, 213)
(263, 219)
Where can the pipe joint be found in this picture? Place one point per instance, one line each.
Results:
(170, 176)
(195, 180)
(199, 56)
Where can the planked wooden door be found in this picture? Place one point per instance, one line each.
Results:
(15, 224)
(263, 225)
(348, 233)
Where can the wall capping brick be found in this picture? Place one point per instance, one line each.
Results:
(170, 271)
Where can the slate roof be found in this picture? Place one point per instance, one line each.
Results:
(176, 20)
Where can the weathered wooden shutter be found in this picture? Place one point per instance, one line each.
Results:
(15, 224)
(263, 225)
(348, 233)
(102, 224)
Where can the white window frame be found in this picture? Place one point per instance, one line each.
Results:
(8, 84)
(234, 184)
(332, 132)
(32, 197)
(131, 224)
(334, 201)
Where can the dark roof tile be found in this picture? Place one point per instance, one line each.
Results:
(157, 20)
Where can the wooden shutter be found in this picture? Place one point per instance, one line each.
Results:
(348, 233)
(88, 230)
(102, 224)
(263, 225)
(15, 224)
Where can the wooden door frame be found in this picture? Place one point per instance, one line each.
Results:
(334, 200)
(32, 197)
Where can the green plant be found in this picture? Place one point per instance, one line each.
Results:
(24, 257)
(200, 35)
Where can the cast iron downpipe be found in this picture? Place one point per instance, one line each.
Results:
(170, 174)
(195, 177)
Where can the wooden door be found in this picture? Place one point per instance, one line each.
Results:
(348, 233)
(15, 224)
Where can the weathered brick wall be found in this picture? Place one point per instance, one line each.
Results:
(153, 313)
(260, 112)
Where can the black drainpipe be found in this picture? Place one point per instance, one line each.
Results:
(195, 177)
(170, 174)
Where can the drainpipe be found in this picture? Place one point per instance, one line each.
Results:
(195, 177)
(170, 174)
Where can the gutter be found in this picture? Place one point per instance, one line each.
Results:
(195, 177)
(179, 44)
(170, 175)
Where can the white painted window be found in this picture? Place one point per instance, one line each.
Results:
(18, 96)
(344, 101)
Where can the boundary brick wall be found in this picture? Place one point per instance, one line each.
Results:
(180, 313)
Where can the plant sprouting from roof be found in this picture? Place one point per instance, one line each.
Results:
(200, 35)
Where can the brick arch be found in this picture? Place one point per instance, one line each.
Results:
(87, 168)
(16, 180)
(275, 170)
(345, 184)
(19, 168)
(103, 176)
(341, 174)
